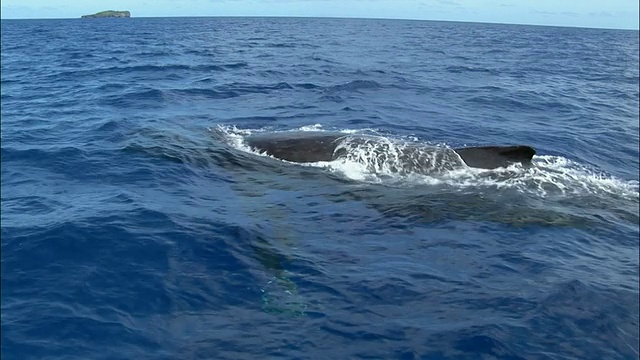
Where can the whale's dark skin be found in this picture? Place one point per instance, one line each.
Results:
(305, 147)
(300, 147)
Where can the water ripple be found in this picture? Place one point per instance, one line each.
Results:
(137, 223)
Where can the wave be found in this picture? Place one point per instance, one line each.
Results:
(143, 97)
(143, 69)
(49, 152)
(174, 67)
(135, 99)
(464, 69)
(140, 98)
(354, 85)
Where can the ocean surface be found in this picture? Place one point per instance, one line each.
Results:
(138, 224)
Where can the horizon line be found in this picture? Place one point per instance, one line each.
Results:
(338, 17)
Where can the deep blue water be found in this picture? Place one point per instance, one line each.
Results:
(137, 224)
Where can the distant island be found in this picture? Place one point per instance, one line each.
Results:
(108, 14)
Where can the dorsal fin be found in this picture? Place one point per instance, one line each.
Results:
(491, 157)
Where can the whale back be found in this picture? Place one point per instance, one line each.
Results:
(300, 147)
(307, 147)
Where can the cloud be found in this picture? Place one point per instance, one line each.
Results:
(605, 14)
(541, 12)
(448, 2)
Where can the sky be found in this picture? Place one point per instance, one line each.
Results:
(616, 14)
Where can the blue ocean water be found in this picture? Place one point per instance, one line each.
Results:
(136, 222)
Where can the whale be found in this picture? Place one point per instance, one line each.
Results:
(317, 146)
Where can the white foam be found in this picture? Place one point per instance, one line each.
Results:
(314, 127)
(233, 136)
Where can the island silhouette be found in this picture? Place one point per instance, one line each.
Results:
(108, 14)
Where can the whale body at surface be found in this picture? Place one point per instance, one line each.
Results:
(308, 147)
